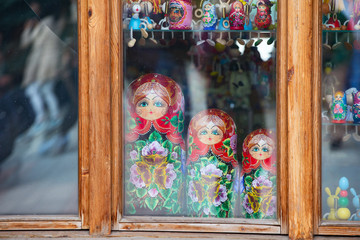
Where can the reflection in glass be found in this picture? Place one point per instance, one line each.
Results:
(340, 112)
(38, 107)
(186, 159)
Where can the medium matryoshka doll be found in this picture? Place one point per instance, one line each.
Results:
(263, 18)
(258, 175)
(154, 146)
(180, 14)
(209, 19)
(211, 164)
(237, 16)
(338, 107)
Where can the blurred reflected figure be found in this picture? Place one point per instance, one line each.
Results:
(42, 64)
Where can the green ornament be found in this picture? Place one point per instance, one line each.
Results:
(343, 202)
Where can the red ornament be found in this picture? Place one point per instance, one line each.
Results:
(343, 193)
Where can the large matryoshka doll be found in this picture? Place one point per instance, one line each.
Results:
(180, 14)
(154, 148)
(263, 17)
(356, 107)
(211, 164)
(237, 16)
(258, 175)
(338, 108)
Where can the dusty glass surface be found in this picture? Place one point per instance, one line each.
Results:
(340, 113)
(38, 107)
(191, 98)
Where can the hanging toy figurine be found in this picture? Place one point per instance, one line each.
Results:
(137, 23)
(258, 175)
(224, 8)
(248, 8)
(180, 14)
(263, 18)
(237, 15)
(154, 146)
(212, 165)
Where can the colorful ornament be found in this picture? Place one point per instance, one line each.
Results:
(212, 164)
(237, 16)
(343, 213)
(339, 108)
(180, 14)
(263, 18)
(258, 175)
(209, 18)
(154, 146)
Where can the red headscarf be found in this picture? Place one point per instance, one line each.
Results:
(171, 124)
(225, 149)
(248, 162)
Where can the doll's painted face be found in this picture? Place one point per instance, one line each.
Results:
(151, 107)
(207, 7)
(210, 134)
(339, 96)
(262, 147)
(262, 7)
(238, 6)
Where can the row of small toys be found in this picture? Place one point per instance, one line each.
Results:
(340, 15)
(339, 204)
(178, 15)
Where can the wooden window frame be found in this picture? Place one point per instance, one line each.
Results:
(100, 132)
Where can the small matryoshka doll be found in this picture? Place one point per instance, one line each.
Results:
(237, 16)
(338, 107)
(154, 146)
(258, 175)
(211, 164)
(209, 18)
(356, 107)
(263, 18)
(180, 14)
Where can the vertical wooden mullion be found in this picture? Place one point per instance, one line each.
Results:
(317, 16)
(83, 113)
(100, 117)
(300, 36)
(282, 116)
(116, 106)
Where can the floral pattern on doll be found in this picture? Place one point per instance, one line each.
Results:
(211, 164)
(263, 17)
(209, 18)
(154, 148)
(356, 107)
(237, 16)
(339, 107)
(258, 175)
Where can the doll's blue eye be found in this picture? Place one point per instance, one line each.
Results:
(215, 132)
(255, 149)
(158, 104)
(143, 104)
(265, 149)
(203, 132)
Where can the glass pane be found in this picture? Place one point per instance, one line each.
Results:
(200, 110)
(341, 111)
(38, 107)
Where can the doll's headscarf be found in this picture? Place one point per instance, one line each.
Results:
(171, 124)
(225, 149)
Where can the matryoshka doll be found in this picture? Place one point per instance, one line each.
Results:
(338, 107)
(154, 146)
(212, 165)
(356, 107)
(180, 14)
(258, 175)
(209, 18)
(263, 18)
(237, 16)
